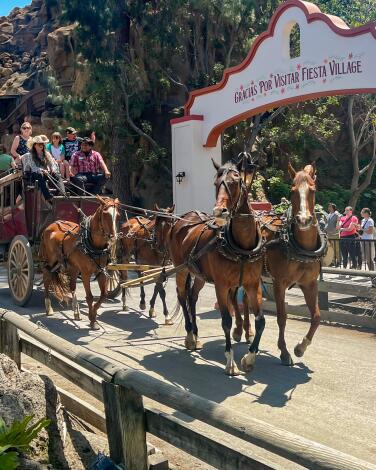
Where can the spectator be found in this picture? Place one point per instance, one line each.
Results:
(332, 230)
(71, 143)
(57, 150)
(366, 231)
(90, 133)
(40, 164)
(358, 249)
(88, 167)
(6, 161)
(347, 226)
(20, 142)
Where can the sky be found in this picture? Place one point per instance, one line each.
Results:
(6, 6)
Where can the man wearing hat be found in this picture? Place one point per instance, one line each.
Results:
(71, 143)
(42, 167)
(88, 166)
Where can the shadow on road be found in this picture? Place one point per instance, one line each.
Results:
(126, 321)
(208, 380)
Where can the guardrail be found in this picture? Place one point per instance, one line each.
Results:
(127, 419)
(331, 286)
(357, 253)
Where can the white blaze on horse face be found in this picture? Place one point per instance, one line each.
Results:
(112, 211)
(303, 190)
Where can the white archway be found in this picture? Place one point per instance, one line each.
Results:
(333, 60)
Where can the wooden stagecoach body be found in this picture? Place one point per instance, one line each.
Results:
(23, 217)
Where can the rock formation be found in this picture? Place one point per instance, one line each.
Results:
(31, 44)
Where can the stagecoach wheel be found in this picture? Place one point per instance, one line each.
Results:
(20, 270)
(113, 284)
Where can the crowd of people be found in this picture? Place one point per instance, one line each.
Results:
(355, 237)
(70, 160)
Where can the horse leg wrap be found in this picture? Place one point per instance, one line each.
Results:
(301, 347)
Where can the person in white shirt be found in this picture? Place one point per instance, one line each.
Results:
(366, 233)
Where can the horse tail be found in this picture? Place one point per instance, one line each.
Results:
(59, 284)
(175, 313)
(188, 294)
(175, 310)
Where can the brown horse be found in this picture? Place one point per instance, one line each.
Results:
(68, 249)
(138, 240)
(296, 258)
(228, 258)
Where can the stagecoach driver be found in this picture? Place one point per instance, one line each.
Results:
(42, 167)
(88, 166)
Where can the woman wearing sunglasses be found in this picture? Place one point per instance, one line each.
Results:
(20, 142)
(42, 167)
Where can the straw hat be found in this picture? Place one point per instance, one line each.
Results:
(38, 139)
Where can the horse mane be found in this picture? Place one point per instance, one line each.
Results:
(303, 176)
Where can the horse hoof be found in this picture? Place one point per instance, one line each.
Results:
(286, 359)
(190, 343)
(250, 339)
(198, 345)
(301, 347)
(236, 336)
(248, 361)
(168, 321)
(152, 313)
(94, 326)
(125, 308)
(233, 371)
(142, 306)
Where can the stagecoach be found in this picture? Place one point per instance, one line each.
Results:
(23, 217)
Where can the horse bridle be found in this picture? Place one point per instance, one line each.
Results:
(243, 191)
(101, 226)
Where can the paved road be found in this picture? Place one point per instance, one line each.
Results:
(328, 396)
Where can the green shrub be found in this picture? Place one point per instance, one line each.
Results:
(337, 195)
(277, 189)
(17, 438)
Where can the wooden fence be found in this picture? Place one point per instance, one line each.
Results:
(128, 419)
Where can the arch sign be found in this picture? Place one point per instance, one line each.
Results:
(332, 59)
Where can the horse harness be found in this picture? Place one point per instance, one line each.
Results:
(84, 243)
(225, 245)
(284, 238)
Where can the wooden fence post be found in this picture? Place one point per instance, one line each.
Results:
(126, 426)
(10, 341)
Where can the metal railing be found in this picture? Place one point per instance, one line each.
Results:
(353, 253)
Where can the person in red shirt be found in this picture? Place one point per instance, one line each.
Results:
(88, 166)
(347, 227)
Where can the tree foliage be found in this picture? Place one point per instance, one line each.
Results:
(138, 60)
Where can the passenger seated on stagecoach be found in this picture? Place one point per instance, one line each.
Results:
(88, 166)
(42, 167)
(6, 161)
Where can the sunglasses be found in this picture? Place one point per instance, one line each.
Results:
(24, 128)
